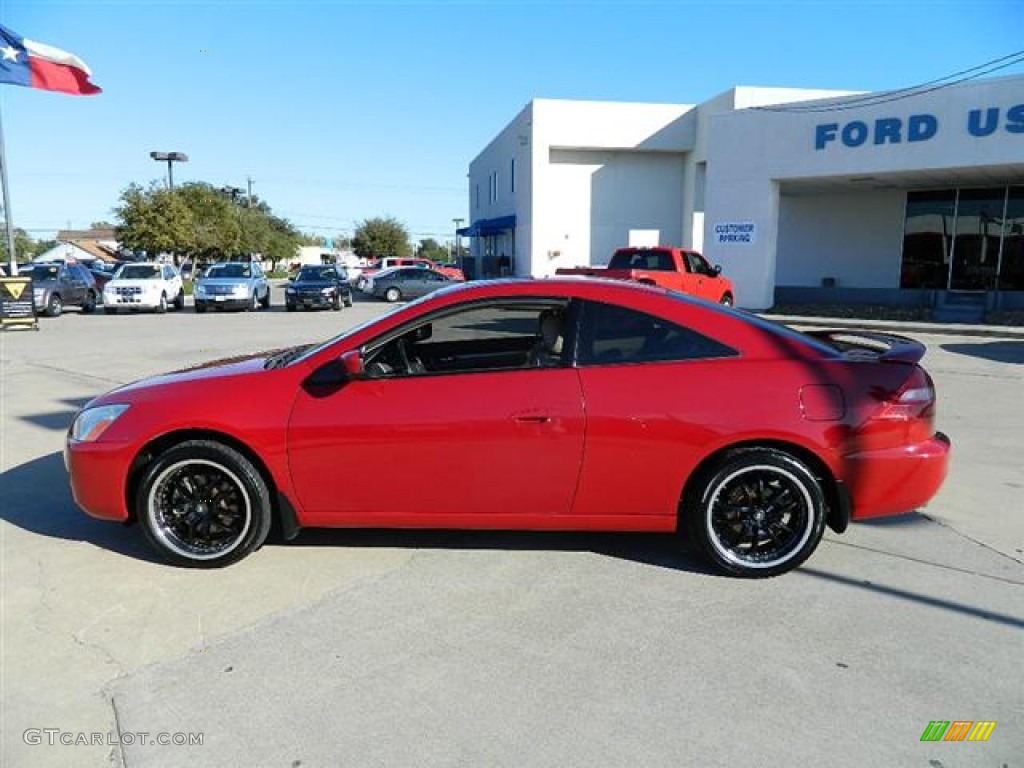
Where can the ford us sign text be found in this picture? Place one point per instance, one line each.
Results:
(895, 130)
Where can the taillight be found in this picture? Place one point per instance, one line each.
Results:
(914, 400)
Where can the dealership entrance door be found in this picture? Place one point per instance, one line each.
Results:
(964, 239)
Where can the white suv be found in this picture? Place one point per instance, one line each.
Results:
(144, 286)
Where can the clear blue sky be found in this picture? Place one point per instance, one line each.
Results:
(346, 110)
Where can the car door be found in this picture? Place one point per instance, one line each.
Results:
(71, 286)
(472, 447)
(261, 281)
(412, 282)
(649, 386)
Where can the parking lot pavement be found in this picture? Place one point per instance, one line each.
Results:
(454, 648)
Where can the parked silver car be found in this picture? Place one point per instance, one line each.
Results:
(407, 283)
(233, 284)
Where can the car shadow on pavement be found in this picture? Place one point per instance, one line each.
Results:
(37, 498)
(57, 420)
(997, 351)
(658, 549)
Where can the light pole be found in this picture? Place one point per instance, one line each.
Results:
(458, 250)
(170, 158)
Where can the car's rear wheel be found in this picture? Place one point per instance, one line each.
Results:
(758, 512)
(54, 306)
(392, 295)
(161, 308)
(90, 302)
(203, 504)
(726, 299)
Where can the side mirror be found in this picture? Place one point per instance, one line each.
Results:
(352, 364)
(717, 269)
(422, 333)
(291, 278)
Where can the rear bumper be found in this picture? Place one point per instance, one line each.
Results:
(894, 481)
(98, 474)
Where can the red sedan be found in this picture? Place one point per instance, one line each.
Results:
(568, 404)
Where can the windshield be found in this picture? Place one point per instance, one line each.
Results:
(229, 270)
(42, 272)
(317, 273)
(138, 272)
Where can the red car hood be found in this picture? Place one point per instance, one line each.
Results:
(241, 365)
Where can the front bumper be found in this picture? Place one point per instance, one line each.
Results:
(318, 300)
(131, 301)
(894, 481)
(99, 473)
(223, 302)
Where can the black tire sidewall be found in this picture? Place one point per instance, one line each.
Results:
(54, 306)
(695, 508)
(237, 464)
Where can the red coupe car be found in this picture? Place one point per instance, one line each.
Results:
(569, 404)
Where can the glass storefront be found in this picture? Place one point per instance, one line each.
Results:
(964, 239)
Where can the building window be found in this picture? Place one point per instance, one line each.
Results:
(512, 175)
(478, 197)
(927, 239)
(1011, 262)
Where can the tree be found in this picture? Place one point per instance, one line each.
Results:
(155, 220)
(24, 246)
(102, 224)
(216, 222)
(429, 248)
(379, 237)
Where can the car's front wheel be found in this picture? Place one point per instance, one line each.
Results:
(726, 300)
(758, 512)
(90, 302)
(54, 306)
(179, 300)
(392, 295)
(254, 303)
(161, 307)
(203, 504)
(265, 301)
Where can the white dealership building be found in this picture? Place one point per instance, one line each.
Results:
(908, 197)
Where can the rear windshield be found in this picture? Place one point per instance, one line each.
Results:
(139, 272)
(649, 259)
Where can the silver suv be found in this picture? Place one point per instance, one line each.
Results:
(232, 284)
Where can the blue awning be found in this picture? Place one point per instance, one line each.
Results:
(485, 227)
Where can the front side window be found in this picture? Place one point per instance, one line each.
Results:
(611, 334)
(484, 337)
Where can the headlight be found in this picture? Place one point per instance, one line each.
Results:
(240, 290)
(289, 290)
(93, 422)
(327, 291)
(199, 289)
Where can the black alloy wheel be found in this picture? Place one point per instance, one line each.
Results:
(203, 504)
(760, 513)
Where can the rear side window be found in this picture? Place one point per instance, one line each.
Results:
(611, 334)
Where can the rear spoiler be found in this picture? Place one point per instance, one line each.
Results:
(885, 347)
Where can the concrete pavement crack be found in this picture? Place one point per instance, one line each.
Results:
(963, 535)
(78, 374)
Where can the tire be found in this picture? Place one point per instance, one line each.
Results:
(161, 308)
(54, 306)
(200, 307)
(348, 299)
(392, 295)
(740, 509)
(336, 304)
(254, 303)
(726, 300)
(179, 496)
(265, 301)
(179, 300)
(110, 310)
(89, 305)
(290, 307)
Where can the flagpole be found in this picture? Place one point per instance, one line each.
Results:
(7, 200)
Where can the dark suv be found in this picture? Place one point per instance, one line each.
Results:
(323, 286)
(56, 285)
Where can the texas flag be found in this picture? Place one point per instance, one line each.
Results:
(34, 65)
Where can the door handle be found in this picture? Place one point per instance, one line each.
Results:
(532, 418)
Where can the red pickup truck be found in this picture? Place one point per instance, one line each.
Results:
(673, 268)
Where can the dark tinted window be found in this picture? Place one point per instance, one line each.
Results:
(612, 334)
(653, 259)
